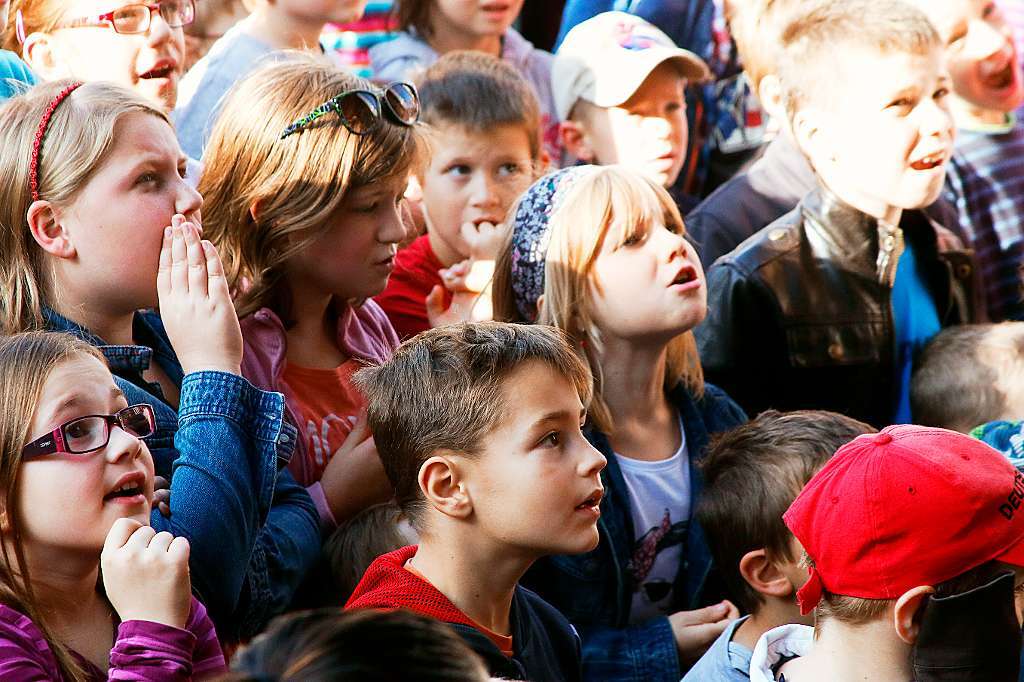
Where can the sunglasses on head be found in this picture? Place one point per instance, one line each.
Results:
(92, 432)
(360, 111)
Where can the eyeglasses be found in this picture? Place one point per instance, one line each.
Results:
(92, 432)
(136, 18)
(360, 111)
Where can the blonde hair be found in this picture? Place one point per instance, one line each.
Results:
(37, 16)
(298, 182)
(77, 141)
(26, 361)
(755, 26)
(610, 203)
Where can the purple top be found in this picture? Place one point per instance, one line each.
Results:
(143, 650)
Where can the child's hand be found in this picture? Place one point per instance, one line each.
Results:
(195, 303)
(484, 240)
(145, 574)
(162, 495)
(471, 301)
(695, 631)
(354, 478)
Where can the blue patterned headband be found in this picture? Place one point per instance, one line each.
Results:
(531, 234)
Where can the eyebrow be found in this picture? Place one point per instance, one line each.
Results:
(558, 415)
(77, 399)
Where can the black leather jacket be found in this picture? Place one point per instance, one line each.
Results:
(800, 314)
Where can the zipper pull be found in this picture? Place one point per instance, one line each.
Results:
(890, 248)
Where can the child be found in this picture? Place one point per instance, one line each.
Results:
(984, 180)
(357, 542)
(430, 29)
(305, 209)
(826, 307)
(473, 421)
(620, 89)
(13, 71)
(484, 141)
(272, 27)
(143, 51)
(57, 622)
(751, 475)
(106, 181)
(969, 375)
(910, 534)
(326, 645)
(602, 254)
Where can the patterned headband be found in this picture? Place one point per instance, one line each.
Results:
(37, 145)
(531, 234)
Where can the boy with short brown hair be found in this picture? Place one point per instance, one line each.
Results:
(478, 427)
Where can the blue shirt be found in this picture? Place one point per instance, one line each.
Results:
(915, 321)
(725, 661)
(14, 74)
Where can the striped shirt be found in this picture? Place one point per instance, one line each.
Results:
(985, 181)
(143, 651)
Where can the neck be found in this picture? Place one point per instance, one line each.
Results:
(479, 577)
(839, 654)
(768, 615)
(282, 30)
(113, 327)
(967, 115)
(65, 585)
(446, 38)
(313, 336)
(633, 378)
(876, 209)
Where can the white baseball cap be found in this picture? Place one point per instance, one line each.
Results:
(606, 58)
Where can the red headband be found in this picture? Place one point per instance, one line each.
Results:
(33, 176)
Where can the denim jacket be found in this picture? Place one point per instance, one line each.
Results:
(593, 590)
(253, 531)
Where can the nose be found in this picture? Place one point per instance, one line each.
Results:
(670, 243)
(988, 39)
(188, 200)
(122, 444)
(592, 462)
(937, 120)
(482, 191)
(159, 30)
(392, 229)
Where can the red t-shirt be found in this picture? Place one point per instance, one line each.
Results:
(414, 276)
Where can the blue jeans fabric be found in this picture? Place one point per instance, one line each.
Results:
(253, 531)
(593, 590)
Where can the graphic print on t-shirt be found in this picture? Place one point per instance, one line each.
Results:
(656, 589)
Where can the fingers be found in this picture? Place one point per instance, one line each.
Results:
(708, 614)
(119, 533)
(141, 538)
(163, 273)
(196, 256)
(161, 542)
(435, 303)
(702, 635)
(179, 261)
(361, 429)
(179, 550)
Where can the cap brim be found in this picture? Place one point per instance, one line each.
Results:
(1013, 556)
(689, 66)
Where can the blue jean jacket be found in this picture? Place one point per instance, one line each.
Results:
(593, 590)
(253, 531)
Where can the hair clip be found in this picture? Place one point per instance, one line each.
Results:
(19, 25)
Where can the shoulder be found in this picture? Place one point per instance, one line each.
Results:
(717, 411)
(542, 615)
(772, 242)
(23, 648)
(396, 58)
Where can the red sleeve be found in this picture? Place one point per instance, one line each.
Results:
(404, 298)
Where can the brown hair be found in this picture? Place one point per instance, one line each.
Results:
(298, 182)
(609, 203)
(755, 26)
(752, 473)
(414, 14)
(78, 139)
(26, 361)
(817, 42)
(478, 92)
(956, 380)
(442, 389)
(38, 16)
(357, 542)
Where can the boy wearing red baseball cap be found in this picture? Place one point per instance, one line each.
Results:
(915, 541)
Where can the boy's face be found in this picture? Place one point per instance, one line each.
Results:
(316, 11)
(980, 52)
(477, 17)
(473, 177)
(882, 138)
(646, 133)
(535, 486)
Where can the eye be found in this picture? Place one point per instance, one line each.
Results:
(148, 178)
(941, 93)
(553, 439)
(633, 239)
(458, 169)
(182, 171)
(510, 168)
(989, 10)
(673, 107)
(367, 208)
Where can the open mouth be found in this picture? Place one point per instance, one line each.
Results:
(929, 162)
(126, 490)
(685, 276)
(161, 71)
(1002, 78)
(592, 502)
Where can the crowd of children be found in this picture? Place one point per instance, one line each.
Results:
(367, 341)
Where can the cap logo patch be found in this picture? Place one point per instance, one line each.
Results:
(629, 40)
(1013, 500)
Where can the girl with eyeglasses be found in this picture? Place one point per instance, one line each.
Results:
(98, 228)
(305, 174)
(137, 44)
(76, 486)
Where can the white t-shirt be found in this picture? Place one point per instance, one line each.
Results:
(659, 496)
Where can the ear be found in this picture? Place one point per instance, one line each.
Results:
(540, 305)
(763, 575)
(441, 483)
(907, 614)
(255, 210)
(40, 51)
(576, 141)
(769, 93)
(809, 136)
(47, 230)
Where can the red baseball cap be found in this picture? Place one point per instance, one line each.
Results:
(904, 507)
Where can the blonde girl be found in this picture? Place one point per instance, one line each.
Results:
(76, 486)
(305, 173)
(602, 254)
(97, 225)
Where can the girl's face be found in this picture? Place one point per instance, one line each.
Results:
(67, 501)
(150, 63)
(318, 11)
(115, 223)
(650, 286)
(476, 18)
(353, 258)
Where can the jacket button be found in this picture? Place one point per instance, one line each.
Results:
(776, 235)
(963, 271)
(835, 351)
(283, 438)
